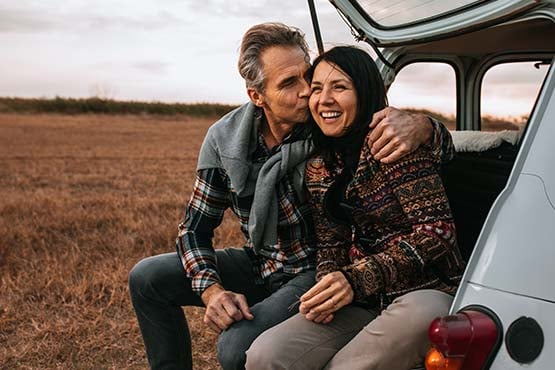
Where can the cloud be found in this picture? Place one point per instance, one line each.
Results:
(24, 20)
(152, 66)
(27, 17)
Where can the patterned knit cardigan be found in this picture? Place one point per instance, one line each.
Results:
(403, 234)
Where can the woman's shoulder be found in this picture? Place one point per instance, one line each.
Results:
(420, 161)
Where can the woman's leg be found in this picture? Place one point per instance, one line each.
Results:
(398, 338)
(301, 344)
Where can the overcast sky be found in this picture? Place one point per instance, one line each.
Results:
(175, 51)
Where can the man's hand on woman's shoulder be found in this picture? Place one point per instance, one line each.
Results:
(395, 133)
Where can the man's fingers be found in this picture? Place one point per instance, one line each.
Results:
(214, 327)
(232, 310)
(376, 132)
(217, 314)
(209, 320)
(385, 150)
(393, 154)
(378, 116)
(241, 302)
(380, 143)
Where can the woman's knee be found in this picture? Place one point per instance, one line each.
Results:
(264, 353)
(423, 305)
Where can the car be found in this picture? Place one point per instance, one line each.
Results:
(501, 190)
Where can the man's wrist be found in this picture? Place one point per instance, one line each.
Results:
(211, 291)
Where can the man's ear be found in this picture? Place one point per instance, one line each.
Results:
(255, 97)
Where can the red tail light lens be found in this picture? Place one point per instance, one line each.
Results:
(465, 341)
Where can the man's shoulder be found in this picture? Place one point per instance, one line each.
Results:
(232, 120)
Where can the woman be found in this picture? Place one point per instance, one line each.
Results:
(387, 259)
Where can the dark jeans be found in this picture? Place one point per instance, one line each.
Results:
(159, 287)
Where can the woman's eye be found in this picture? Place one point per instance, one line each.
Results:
(339, 87)
(315, 89)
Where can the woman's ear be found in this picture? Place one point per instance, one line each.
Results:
(256, 98)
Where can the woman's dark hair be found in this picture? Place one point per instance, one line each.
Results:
(371, 97)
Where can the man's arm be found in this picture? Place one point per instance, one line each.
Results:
(396, 133)
(204, 212)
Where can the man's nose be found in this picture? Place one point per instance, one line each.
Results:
(305, 89)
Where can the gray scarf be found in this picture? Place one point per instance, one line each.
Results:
(229, 144)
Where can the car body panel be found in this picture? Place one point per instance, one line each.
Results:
(517, 244)
(509, 307)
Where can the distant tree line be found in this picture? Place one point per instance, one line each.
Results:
(109, 106)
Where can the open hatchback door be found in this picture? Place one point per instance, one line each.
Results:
(397, 22)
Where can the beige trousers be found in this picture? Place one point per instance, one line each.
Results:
(396, 339)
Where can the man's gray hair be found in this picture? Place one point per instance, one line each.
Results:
(256, 40)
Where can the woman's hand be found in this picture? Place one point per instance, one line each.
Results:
(331, 293)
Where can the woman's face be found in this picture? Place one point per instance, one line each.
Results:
(333, 102)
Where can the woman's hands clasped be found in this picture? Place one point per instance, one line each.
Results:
(331, 293)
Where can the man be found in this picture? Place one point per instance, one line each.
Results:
(252, 160)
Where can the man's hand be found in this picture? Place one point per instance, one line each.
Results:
(224, 307)
(396, 133)
(331, 293)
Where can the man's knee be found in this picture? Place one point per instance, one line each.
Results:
(139, 277)
(154, 275)
(232, 347)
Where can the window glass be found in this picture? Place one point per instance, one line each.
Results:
(509, 91)
(428, 87)
(399, 12)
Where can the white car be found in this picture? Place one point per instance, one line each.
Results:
(501, 185)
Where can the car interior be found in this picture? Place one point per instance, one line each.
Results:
(475, 177)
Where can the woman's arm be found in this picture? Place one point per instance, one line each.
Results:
(333, 243)
(430, 239)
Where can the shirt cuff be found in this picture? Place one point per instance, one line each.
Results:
(203, 279)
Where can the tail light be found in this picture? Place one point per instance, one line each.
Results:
(465, 341)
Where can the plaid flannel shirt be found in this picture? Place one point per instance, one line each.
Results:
(212, 195)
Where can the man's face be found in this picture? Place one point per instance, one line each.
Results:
(285, 98)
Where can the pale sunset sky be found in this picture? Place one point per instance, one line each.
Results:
(186, 51)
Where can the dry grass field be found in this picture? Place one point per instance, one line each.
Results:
(82, 199)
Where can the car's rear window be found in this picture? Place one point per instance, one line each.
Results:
(397, 13)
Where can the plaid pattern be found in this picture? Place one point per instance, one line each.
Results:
(212, 195)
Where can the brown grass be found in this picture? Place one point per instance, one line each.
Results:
(82, 199)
